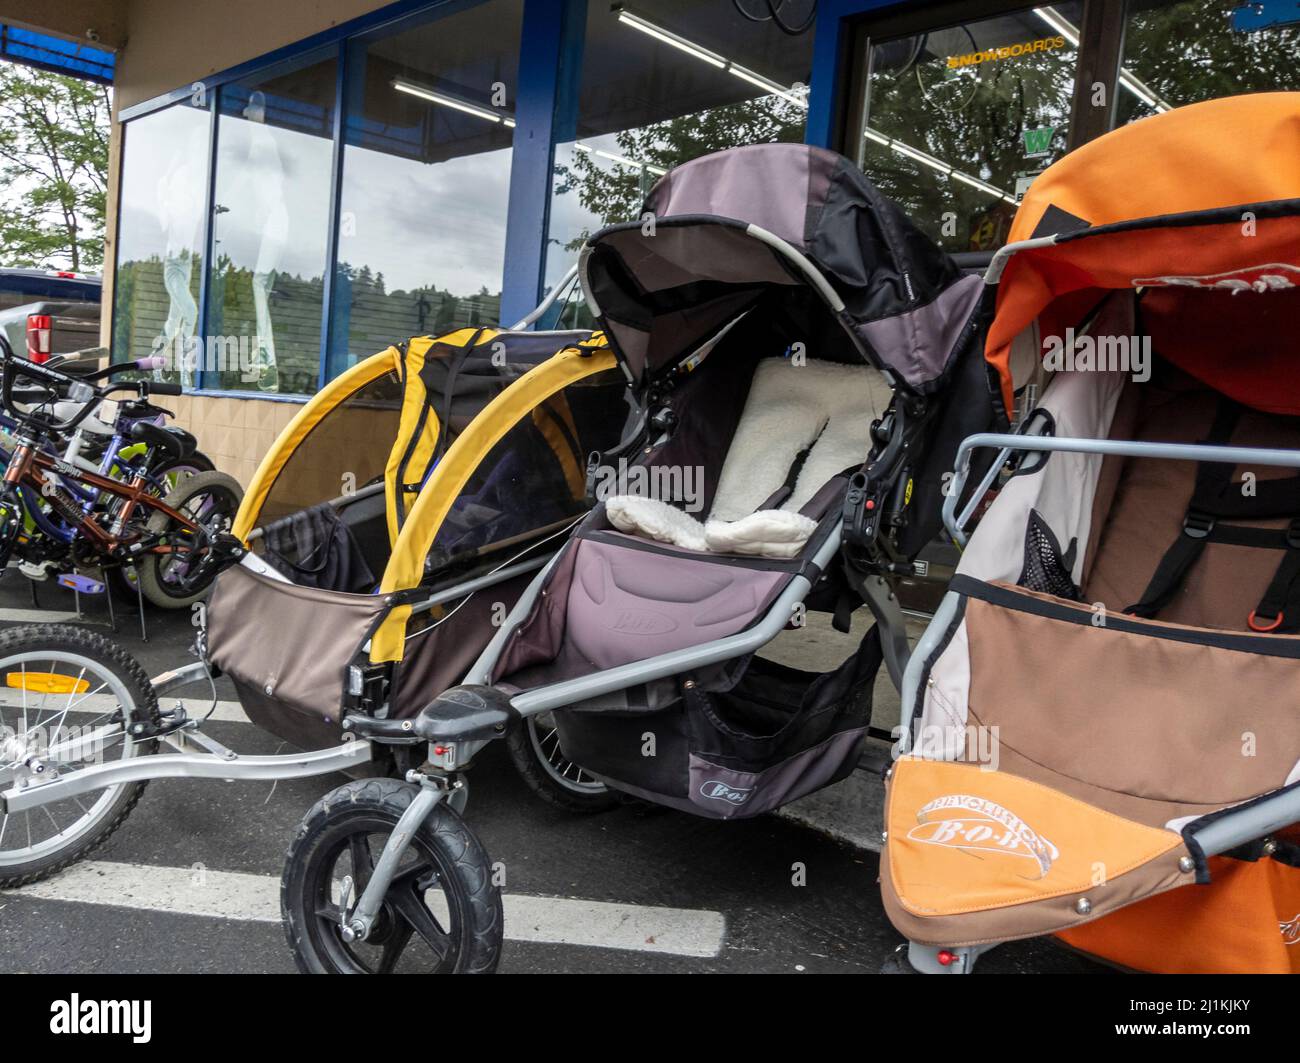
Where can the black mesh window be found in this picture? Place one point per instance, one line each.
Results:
(1046, 569)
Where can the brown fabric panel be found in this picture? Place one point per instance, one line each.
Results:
(298, 641)
(1151, 499)
(1131, 714)
(1123, 425)
(439, 658)
(1034, 919)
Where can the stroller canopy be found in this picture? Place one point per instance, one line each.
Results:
(1198, 208)
(792, 229)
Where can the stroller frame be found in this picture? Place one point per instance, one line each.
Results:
(200, 756)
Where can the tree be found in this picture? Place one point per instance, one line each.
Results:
(615, 193)
(54, 166)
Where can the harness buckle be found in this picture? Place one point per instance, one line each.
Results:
(1197, 525)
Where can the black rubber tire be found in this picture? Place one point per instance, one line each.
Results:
(115, 576)
(527, 760)
(41, 637)
(148, 568)
(459, 857)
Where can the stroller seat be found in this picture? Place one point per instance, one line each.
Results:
(801, 428)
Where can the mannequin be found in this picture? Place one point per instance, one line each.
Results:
(270, 218)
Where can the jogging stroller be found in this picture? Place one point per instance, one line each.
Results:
(745, 308)
(1103, 742)
(406, 504)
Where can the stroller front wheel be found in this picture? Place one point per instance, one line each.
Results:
(442, 912)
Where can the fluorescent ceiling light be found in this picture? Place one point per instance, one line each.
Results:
(668, 37)
(767, 85)
(1127, 78)
(443, 100)
(622, 160)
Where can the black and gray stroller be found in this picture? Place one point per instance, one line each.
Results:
(765, 299)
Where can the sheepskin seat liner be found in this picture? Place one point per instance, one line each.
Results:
(818, 409)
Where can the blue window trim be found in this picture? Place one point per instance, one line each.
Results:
(549, 61)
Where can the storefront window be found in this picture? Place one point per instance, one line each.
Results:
(426, 179)
(957, 121)
(1177, 53)
(160, 233)
(271, 218)
(663, 82)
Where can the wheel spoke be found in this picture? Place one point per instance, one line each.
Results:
(363, 864)
(394, 947)
(406, 896)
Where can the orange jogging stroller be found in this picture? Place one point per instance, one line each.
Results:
(1103, 719)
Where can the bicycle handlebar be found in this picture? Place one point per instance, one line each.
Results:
(77, 389)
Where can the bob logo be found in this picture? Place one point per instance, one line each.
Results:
(1291, 930)
(977, 825)
(1272, 277)
(720, 791)
(643, 622)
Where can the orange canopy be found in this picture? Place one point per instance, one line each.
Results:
(1205, 197)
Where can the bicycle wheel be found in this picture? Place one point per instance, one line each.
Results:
(171, 474)
(210, 500)
(68, 698)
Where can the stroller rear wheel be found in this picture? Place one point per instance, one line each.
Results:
(535, 751)
(442, 913)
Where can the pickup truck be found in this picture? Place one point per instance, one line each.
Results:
(51, 312)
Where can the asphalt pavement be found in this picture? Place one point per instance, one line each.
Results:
(190, 882)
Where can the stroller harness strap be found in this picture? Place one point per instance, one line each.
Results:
(1215, 497)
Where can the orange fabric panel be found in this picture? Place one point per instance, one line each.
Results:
(1220, 153)
(962, 839)
(1246, 921)
(1049, 282)
(1234, 152)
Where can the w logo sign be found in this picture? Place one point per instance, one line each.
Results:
(1038, 142)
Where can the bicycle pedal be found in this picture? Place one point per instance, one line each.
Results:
(81, 584)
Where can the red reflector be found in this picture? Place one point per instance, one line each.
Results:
(871, 503)
(439, 751)
(945, 957)
(38, 337)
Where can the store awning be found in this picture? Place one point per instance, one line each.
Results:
(56, 54)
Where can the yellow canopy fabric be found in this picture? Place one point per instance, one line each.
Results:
(406, 566)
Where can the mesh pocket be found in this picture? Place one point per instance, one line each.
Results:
(1046, 569)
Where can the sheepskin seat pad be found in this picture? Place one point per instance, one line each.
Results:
(819, 410)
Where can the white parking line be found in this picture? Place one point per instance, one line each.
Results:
(98, 704)
(256, 898)
(41, 616)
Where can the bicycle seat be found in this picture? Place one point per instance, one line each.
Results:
(158, 439)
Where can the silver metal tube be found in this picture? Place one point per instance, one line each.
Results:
(548, 302)
(187, 766)
(179, 677)
(1267, 456)
(1255, 821)
(394, 849)
(925, 646)
(558, 695)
